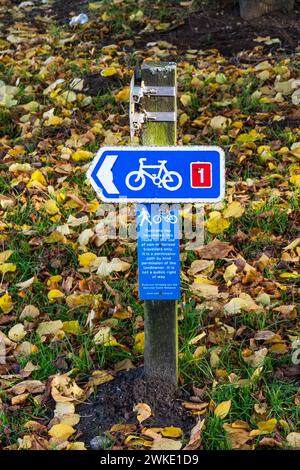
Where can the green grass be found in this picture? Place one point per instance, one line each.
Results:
(7, 125)
(12, 424)
(281, 397)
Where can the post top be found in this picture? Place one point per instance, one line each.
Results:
(158, 66)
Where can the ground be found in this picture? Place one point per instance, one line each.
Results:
(70, 317)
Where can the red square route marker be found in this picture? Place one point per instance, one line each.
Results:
(201, 175)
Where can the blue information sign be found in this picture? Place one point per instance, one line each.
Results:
(158, 252)
(158, 174)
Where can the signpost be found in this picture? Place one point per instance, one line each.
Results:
(155, 173)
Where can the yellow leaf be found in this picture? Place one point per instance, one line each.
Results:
(54, 280)
(82, 155)
(295, 179)
(17, 333)
(6, 303)
(55, 294)
(234, 209)
(61, 431)
(7, 267)
(183, 118)
(279, 348)
(123, 95)
(171, 431)
(222, 410)
(216, 223)
(230, 272)
(5, 255)
(266, 427)
(49, 327)
(289, 275)
(80, 300)
(71, 326)
(252, 136)
(51, 207)
(87, 259)
(143, 411)
(53, 121)
(95, 6)
(139, 342)
(186, 100)
(31, 107)
(100, 377)
(134, 441)
(76, 446)
(37, 180)
(108, 72)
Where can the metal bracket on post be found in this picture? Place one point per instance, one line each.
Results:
(137, 115)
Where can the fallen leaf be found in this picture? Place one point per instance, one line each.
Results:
(17, 333)
(61, 431)
(49, 327)
(293, 440)
(234, 209)
(171, 431)
(143, 411)
(196, 436)
(6, 303)
(215, 250)
(166, 444)
(222, 410)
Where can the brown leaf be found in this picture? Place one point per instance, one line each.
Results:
(196, 436)
(215, 250)
(236, 436)
(31, 386)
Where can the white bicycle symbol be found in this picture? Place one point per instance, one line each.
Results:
(171, 218)
(170, 180)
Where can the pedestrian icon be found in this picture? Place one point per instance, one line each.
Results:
(144, 216)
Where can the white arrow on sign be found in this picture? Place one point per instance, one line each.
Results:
(105, 174)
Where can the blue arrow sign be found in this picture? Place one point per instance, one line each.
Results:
(159, 174)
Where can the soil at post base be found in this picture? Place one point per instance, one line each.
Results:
(114, 401)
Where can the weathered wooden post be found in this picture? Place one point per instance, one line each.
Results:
(251, 9)
(161, 335)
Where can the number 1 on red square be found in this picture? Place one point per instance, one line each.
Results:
(201, 175)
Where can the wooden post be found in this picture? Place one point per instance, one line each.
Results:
(161, 333)
(251, 9)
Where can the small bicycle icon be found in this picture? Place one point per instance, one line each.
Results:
(170, 218)
(170, 180)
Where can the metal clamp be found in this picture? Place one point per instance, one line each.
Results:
(162, 116)
(139, 91)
